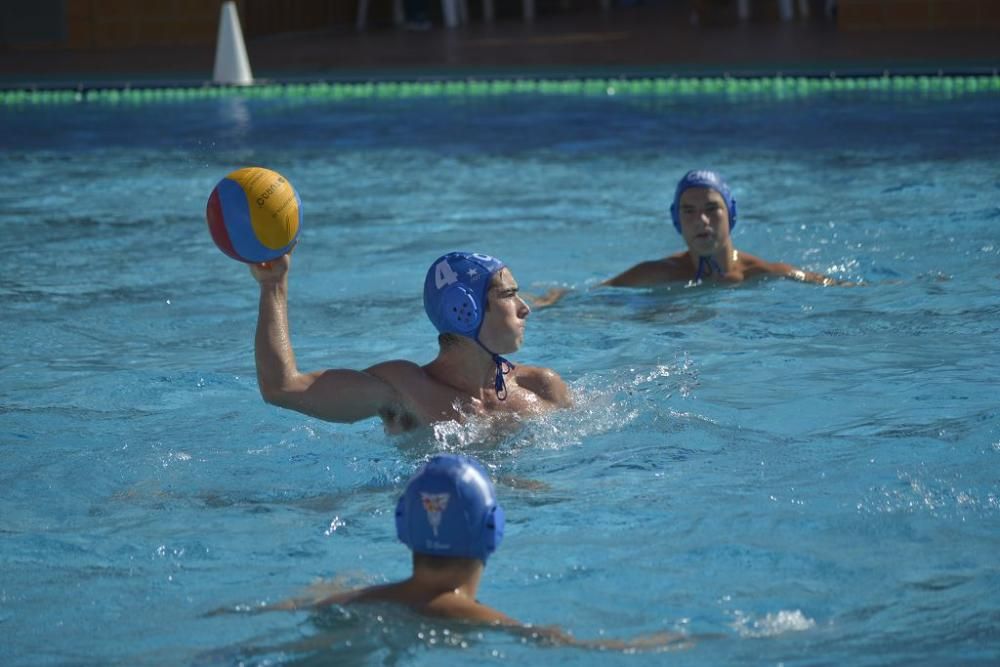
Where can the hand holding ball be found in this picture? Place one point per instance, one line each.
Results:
(253, 215)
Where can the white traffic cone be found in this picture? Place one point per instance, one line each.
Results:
(231, 63)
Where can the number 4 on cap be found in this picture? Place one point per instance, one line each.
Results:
(444, 274)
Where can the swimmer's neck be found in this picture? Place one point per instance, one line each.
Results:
(726, 257)
(466, 367)
(461, 577)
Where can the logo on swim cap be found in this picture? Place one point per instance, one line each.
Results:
(455, 291)
(702, 178)
(434, 504)
(449, 508)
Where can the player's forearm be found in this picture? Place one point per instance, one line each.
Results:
(810, 277)
(272, 343)
(826, 281)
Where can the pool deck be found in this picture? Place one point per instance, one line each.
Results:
(653, 39)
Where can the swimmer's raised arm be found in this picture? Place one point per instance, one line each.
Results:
(334, 395)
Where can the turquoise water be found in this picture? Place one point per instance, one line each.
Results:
(808, 475)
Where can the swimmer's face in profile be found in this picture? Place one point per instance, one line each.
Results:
(704, 220)
(504, 319)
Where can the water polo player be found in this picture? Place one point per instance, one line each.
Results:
(704, 213)
(473, 302)
(449, 517)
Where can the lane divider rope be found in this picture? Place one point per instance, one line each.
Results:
(775, 87)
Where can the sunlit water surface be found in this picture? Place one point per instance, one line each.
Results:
(808, 475)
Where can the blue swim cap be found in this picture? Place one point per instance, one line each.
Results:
(449, 508)
(455, 291)
(455, 299)
(702, 179)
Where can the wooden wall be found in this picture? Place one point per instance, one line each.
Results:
(930, 15)
(111, 24)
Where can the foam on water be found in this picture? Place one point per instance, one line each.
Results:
(772, 624)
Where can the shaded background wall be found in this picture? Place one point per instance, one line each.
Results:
(112, 24)
(919, 14)
(109, 24)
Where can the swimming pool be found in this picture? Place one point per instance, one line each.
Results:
(809, 473)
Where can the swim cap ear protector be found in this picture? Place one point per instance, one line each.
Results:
(449, 508)
(702, 179)
(455, 291)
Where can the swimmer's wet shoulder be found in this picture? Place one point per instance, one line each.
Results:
(416, 399)
(451, 604)
(654, 272)
(544, 384)
(412, 397)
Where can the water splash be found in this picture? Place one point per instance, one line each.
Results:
(933, 496)
(772, 624)
(601, 404)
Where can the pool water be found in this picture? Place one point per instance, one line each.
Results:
(795, 475)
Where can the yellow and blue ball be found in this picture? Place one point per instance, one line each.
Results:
(254, 214)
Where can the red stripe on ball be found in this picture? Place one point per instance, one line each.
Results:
(217, 226)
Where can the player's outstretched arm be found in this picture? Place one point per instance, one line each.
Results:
(795, 273)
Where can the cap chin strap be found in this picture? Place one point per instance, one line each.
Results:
(504, 367)
(707, 262)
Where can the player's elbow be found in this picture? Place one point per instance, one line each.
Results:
(270, 395)
(276, 395)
